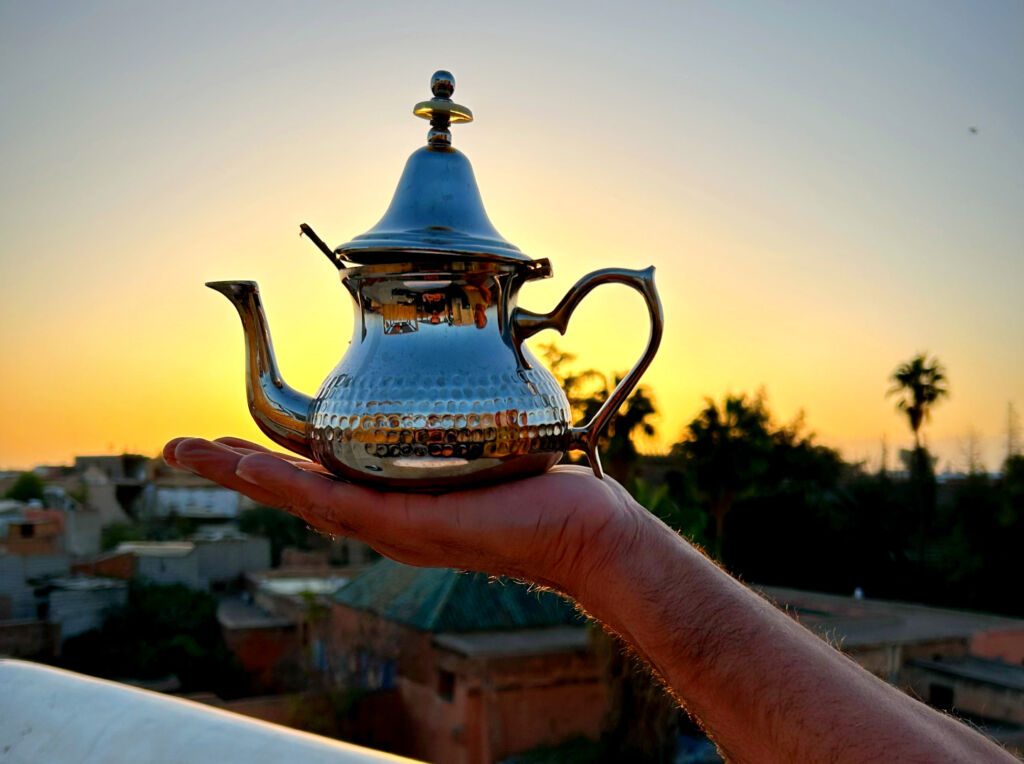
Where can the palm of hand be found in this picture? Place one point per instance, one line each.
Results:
(552, 529)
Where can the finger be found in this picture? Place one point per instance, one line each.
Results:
(230, 440)
(332, 505)
(218, 463)
(244, 448)
(169, 451)
(454, 527)
(248, 446)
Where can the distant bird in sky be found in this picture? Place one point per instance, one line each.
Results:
(972, 130)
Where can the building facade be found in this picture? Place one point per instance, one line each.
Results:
(478, 669)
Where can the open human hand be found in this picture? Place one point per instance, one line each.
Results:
(553, 529)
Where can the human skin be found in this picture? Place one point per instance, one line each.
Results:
(765, 688)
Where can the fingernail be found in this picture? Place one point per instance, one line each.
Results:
(186, 451)
(248, 468)
(168, 451)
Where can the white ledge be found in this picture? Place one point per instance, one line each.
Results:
(59, 717)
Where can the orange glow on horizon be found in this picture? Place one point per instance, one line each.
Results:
(810, 229)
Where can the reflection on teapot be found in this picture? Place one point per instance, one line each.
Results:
(436, 390)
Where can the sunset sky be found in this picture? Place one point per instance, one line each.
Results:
(803, 176)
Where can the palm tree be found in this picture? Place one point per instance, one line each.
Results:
(726, 451)
(921, 382)
(587, 391)
(581, 388)
(632, 420)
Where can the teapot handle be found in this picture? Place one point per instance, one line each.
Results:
(526, 323)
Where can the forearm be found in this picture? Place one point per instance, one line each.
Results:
(764, 687)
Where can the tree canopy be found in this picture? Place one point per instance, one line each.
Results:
(733, 452)
(28, 486)
(586, 392)
(161, 631)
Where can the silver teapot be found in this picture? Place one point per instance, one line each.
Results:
(436, 390)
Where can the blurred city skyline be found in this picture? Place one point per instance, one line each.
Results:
(825, 191)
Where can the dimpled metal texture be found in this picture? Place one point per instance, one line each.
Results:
(435, 391)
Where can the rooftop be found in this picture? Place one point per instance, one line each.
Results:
(157, 548)
(235, 613)
(88, 583)
(993, 672)
(852, 622)
(554, 639)
(219, 533)
(441, 600)
(311, 584)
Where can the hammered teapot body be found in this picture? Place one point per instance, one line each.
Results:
(436, 390)
(432, 388)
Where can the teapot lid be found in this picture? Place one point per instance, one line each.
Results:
(436, 210)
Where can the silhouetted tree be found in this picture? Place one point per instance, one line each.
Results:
(282, 529)
(580, 388)
(922, 383)
(587, 391)
(1012, 432)
(617, 444)
(117, 533)
(28, 486)
(161, 631)
(725, 452)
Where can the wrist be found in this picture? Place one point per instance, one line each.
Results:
(660, 594)
(631, 557)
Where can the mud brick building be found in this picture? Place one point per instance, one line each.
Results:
(477, 668)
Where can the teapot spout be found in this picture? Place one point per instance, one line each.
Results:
(279, 410)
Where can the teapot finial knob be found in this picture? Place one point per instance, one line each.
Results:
(441, 111)
(442, 84)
